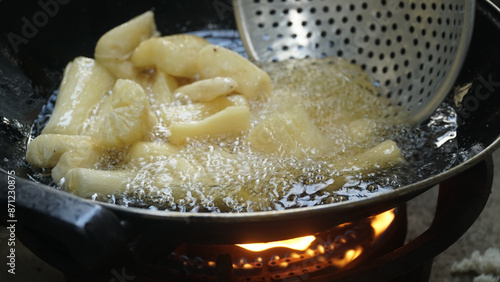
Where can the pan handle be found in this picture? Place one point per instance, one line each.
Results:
(460, 202)
(58, 226)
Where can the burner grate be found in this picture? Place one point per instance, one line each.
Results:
(338, 248)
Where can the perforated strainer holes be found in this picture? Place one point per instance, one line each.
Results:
(301, 22)
(408, 46)
(423, 35)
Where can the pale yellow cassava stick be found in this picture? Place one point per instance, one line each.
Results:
(384, 155)
(114, 48)
(193, 112)
(176, 55)
(231, 120)
(129, 119)
(289, 134)
(73, 159)
(84, 84)
(216, 61)
(85, 182)
(141, 151)
(46, 149)
(207, 89)
(162, 87)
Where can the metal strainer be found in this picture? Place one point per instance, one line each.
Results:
(413, 49)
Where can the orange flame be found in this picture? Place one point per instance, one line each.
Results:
(349, 256)
(299, 244)
(379, 224)
(382, 221)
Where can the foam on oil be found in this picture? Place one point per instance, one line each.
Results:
(227, 173)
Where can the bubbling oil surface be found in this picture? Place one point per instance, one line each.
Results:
(227, 174)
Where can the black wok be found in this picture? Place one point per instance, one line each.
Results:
(38, 40)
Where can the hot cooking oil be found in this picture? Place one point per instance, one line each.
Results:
(228, 173)
(335, 111)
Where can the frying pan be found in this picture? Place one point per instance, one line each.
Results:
(39, 38)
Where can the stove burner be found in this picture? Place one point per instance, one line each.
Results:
(331, 251)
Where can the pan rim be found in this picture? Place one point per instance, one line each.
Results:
(379, 203)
